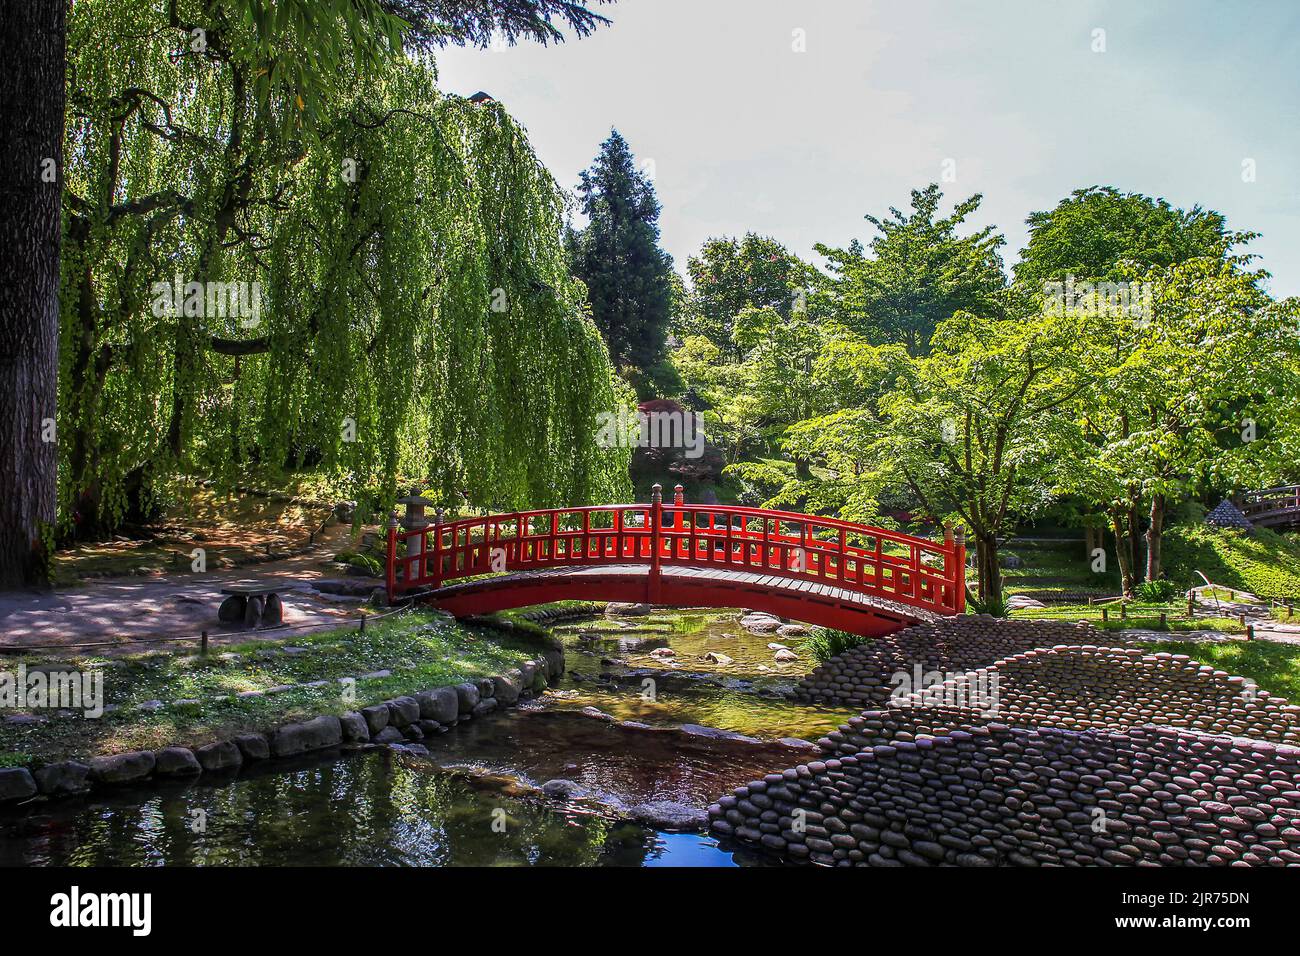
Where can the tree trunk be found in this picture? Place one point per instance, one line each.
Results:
(31, 117)
(990, 572)
(1133, 537)
(1123, 551)
(1154, 537)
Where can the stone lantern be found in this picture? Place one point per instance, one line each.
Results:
(415, 520)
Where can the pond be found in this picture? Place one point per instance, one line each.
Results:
(475, 800)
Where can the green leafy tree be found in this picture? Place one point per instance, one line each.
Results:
(416, 313)
(920, 271)
(1198, 394)
(972, 430)
(617, 255)
(729, 276)
(1093, 233)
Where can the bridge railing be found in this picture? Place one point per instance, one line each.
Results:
(904, 568)
(1271, 503)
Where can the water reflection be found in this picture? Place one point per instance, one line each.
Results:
(371, 809)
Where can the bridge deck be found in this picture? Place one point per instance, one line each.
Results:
(685, 577)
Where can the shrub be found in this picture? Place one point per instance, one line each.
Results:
(1157, 592)
(996, 607)
(827, 642)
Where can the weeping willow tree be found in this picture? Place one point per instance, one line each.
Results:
(265, 270)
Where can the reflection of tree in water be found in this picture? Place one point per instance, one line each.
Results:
(375, 809)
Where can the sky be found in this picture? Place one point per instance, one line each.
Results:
(795, 118)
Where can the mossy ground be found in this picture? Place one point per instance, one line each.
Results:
(419, 648)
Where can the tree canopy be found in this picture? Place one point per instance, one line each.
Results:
(405, 310)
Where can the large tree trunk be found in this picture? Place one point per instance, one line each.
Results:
(1154, 537)
(31, 117)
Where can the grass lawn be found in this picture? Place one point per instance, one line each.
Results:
(1274, 667)
(420, 649)
(1055, 568)
(1262, 562)
(1139, 614)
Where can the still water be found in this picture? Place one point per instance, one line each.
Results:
(473, 801)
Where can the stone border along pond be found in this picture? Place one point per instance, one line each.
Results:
(400, 723)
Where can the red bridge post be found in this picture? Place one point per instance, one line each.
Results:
(959, 570)
(656, 543)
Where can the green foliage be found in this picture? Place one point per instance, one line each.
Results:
(416, 313)
(919, 273)
(629, 278)
(366, 563)
(994, 604)
(827, 642)
(730, 276)
(1094, 232)
(1262, 562)
(1157, 591)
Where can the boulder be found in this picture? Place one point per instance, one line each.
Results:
(554, 658)
(223, 755)
(253, 746)
(562, 789)
(785, 656)
(309, 735)
(663, 653)
(484, 685)
(507, 687)
(122, 768)
(175, 762)
(760, 623)
(669, 815)
(403, 711)
(59, 779)
(792, 630)
(467, 697)
(354, 727)
(389, 735)
(376, 717)
(441, 704)
(418, 750)
(484, 706)
(715, 733)
(713, 657)
(16, 783)
(232, 609)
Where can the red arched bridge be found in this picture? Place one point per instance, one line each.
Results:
(808, 568)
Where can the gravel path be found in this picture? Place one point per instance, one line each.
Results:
(170, 605)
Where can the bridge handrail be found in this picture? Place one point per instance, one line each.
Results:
(479, 545)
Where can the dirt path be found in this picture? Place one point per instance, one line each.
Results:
(117, 610)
